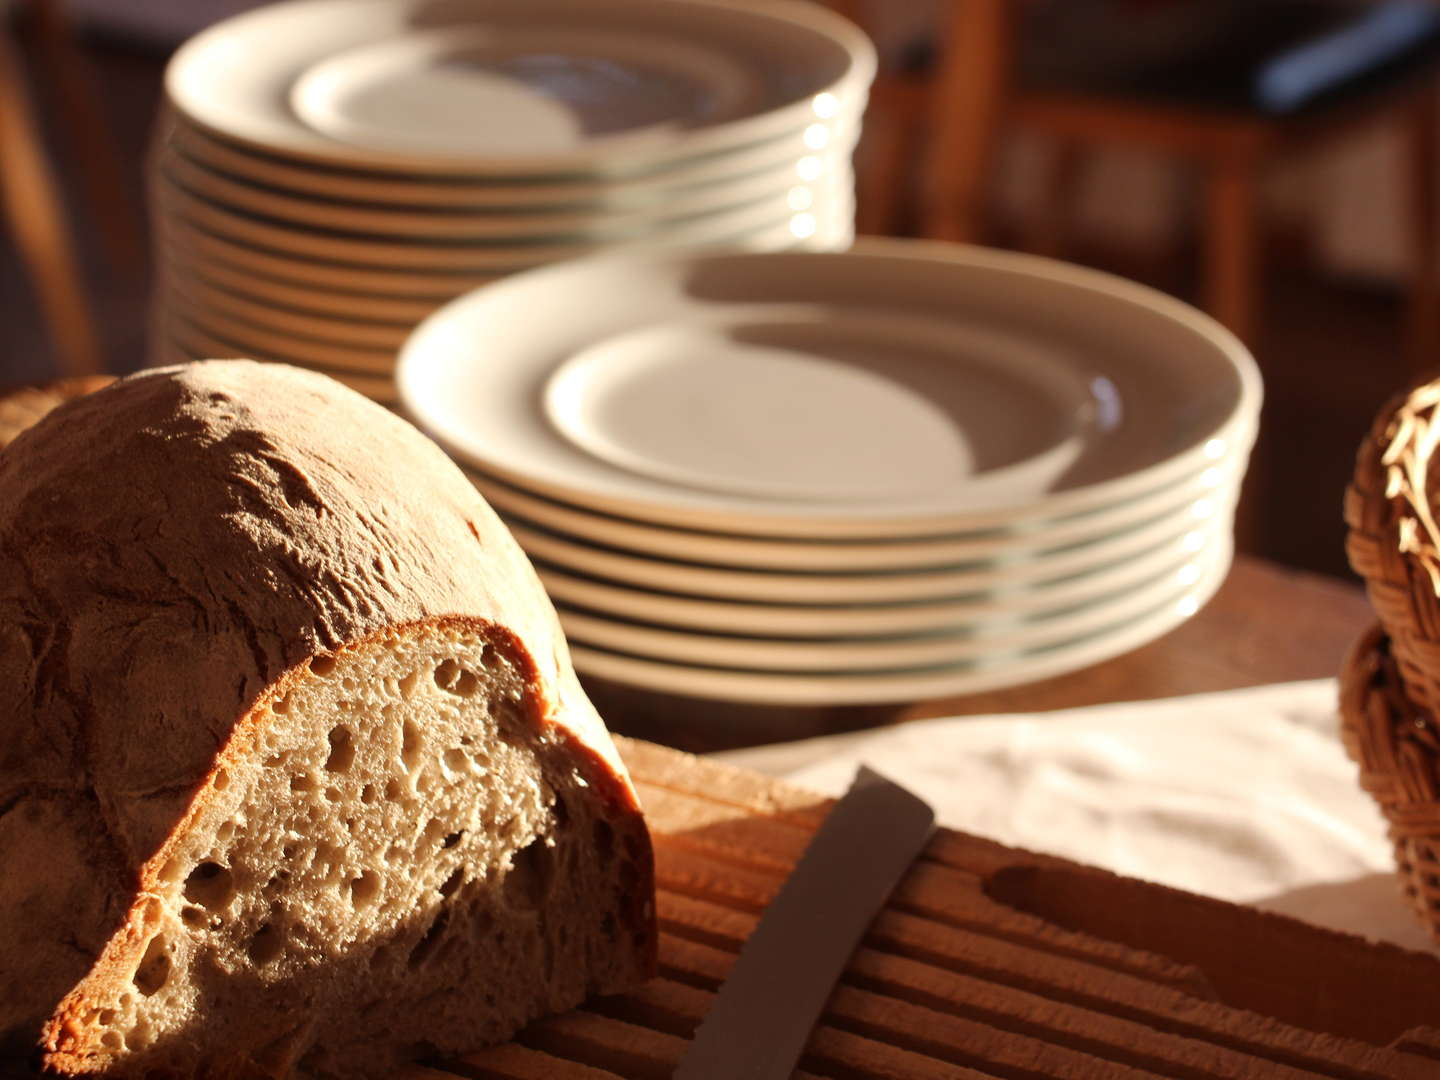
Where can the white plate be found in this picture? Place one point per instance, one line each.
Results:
(355, 82)
(964, 612)
(223, 306)
(913, 684)
(688, 180)
(252, 288)
(477, 92)
(209, 248)
(780, 188)
(300, 275)
(201, 246)
(473, 256)
(196, 343)
(899, 389)
(275, 344)
(861, 410)
(1118, 523)
(1005, 635)
(354, 344)
(1120, 559)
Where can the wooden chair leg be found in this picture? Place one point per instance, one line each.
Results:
(884, 161)
(1422, 146)
(1231, 251)
(1048, 231)
(37, 221)
(967, 104)
(117, 218)
(854, 10)
(1231, 244)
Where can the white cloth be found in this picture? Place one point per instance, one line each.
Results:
(1245, 795)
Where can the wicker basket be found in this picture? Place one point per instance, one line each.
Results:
(1397, 748)
(1390, 685)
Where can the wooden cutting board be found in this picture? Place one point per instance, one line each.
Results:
(988, 962)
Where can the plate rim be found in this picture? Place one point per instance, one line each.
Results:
(480, 192)
(405, 225)
(737, 516)
(771, 689)
(877, 587)
(743, 551)
(692, 614)
(425, 255)
(848, 654)
(834, 30)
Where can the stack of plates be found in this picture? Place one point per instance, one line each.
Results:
(904, 471)
(331, 171)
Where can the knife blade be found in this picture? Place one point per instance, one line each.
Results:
(762, 1017)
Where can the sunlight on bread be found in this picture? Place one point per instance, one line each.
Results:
(398, 831)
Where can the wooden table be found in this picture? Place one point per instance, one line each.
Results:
(1267, 624)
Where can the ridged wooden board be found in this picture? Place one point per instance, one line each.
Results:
(987, 962)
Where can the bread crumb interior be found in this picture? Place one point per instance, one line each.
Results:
(393, 803)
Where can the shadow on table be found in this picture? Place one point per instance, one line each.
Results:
(701, 726)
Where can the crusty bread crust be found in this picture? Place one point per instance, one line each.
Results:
(173, 549)
(23, 406)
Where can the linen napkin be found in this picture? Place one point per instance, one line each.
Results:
(1245, 795)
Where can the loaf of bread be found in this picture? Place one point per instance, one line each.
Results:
(296, 773)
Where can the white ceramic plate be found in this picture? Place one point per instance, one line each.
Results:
(840, 688)
(902, 388)
(357, 343)
(475, 92)
(1006, 635)
(391, 85)
(698, 178)
(206, 248)
(251, 289)
(1119, 523)
(780, 189)
(196, 343)
(473, 256)
(1118, 560)
(206, 301)
(276, 344)
(962, 613)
